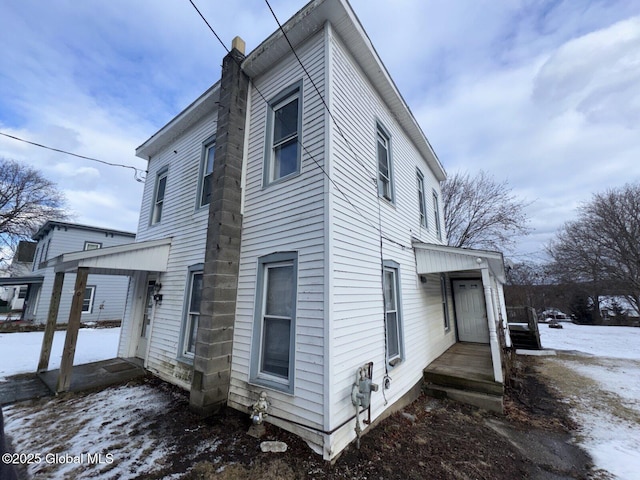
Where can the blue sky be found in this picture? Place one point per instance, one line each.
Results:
(543, 94)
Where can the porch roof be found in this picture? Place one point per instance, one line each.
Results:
(432, 258)
(149, 256)
(27, 280)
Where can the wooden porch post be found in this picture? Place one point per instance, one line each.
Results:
(491, 320)
(52, 319)
(71, 338)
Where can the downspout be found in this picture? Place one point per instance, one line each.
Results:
(491, 320)
(503, 312)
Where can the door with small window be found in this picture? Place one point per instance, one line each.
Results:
(145, 323)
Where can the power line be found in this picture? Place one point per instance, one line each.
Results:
(286, 37)
(138, 174)
(209, 25)
(311, 156)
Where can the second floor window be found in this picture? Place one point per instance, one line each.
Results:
(385, 187)
(436, 213)
(92, 245)
(158, 197)
(283, 135)
(207, 173)
(421, 199)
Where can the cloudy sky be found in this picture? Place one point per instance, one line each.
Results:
(543, 94)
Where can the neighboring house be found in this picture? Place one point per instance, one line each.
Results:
(104, 296)
(617, 305)
(282, 248)
(21, 265)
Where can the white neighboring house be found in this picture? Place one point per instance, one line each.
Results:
(282, 249)
(21, 265)
(105, 295)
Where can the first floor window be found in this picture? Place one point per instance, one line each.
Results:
(392, 312)
(158, 197)
(275, 321)
(445, 301)
(87, 300)
(192, 314)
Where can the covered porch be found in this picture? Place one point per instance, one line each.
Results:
(471, 370)
(129, 260)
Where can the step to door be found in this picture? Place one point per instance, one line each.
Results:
(462, 383)
(491, 403)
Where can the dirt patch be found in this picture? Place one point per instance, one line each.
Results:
(429, 439)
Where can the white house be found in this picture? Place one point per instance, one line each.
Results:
(104, 296)
(21, 265)
(290, 240)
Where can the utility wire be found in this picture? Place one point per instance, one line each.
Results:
(138, 175)
(356, 209)
(210, 27)
(317, 90)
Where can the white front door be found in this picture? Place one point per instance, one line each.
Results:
(147, 313)
(471, 314)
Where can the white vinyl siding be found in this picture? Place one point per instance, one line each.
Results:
(286, 216)
(187, 228)
(111, 290)
(357, 333)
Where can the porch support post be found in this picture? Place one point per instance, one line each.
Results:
(491, 320)
(71, 338)
(52, 320)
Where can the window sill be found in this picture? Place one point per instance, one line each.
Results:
(286, 388)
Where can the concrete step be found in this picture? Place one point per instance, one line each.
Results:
(462, 383)
(492, 403)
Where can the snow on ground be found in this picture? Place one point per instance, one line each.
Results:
(606, 391)
(20, 351)
(100, 435)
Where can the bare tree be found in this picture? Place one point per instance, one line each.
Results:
(603, 245)
(480, 212)
(27, 200)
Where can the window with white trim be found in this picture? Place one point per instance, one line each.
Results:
(192, 312)
(445, 302)
(392, 312)
(158, 196)
(92, 245)
(385, 169)
(208, 157)
(422, 201)
(275, 317)
(284, 124)
(436, 214)
(87, 300)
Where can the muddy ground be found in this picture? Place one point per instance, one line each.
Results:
(429, 439)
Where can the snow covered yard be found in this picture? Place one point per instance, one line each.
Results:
(20, 351)
(598, 370)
